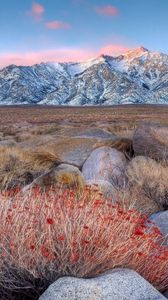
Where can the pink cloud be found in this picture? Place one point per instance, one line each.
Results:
(114, 49)
(60, 55)
(36, 11)
(57, 25)
(107, 10)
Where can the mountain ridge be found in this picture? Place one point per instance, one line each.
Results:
(137, 76)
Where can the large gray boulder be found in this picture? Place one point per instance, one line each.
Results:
(73, 150)
(151, 139)
(119, 284)
(76, 149)
(161, 221)
(105, 163)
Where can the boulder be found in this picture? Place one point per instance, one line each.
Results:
(75, 150)
(161, 221)
(105, 163)
(64, 175)
(151, 139)
(166, 294)
(117, 284)
(71, 150)
(151, 177)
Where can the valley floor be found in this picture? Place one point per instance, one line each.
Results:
(124, 115)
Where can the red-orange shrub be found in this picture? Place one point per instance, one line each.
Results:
(52, 234)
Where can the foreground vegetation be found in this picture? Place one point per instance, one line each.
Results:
(45, 235)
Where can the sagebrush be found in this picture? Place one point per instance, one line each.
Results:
(45, 235)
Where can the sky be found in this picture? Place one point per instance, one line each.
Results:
(75, 30)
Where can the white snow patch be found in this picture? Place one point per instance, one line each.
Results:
(77, 68)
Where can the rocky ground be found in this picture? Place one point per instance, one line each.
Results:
(126, 158)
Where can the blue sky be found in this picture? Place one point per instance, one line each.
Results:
(45, 30)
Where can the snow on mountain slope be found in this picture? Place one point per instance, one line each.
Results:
(138, 76)
(79, 67)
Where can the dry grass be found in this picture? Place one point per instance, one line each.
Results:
(151, 177)
(71, 179)
(130, 197)
(8, 130)
(19, 166)
(62, 235)
(46, 129)
(134, 197)
(160, 134)
(39, 159)
(64, 176)
(124, 145)
(23, 136)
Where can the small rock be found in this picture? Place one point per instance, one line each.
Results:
(161, 221)
(118, 284)
(105, 163)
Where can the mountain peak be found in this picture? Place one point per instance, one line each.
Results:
(143, 49)
(136, 52)
(129, 54)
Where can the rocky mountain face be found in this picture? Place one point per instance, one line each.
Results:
(139, 76)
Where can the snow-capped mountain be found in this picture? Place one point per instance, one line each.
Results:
(138, 76)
